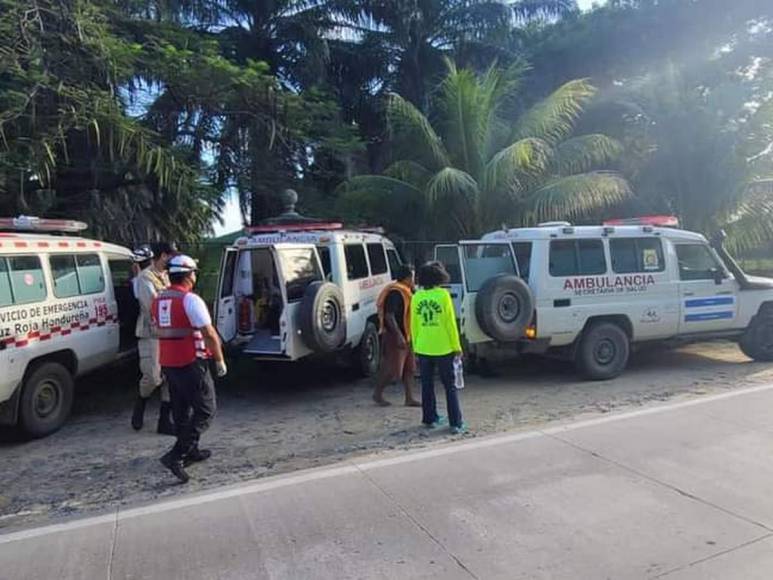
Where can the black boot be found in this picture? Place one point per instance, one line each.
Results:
(196, 455)
(173, 464)
(138, 415)
(165, 424)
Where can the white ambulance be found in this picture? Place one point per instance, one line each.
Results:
(61, 304)
(588, 293)
(290, 291)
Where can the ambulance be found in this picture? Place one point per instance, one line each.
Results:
(589, 293)
(65, 310)
(292, 291)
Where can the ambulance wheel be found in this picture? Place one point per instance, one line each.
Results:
(504, 308)
(368, 353)
(322, 317)
(46, 399)
(757, 341)
(603, 351)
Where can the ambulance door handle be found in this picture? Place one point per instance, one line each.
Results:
(689, 293)
(355, 307)
(565, 303)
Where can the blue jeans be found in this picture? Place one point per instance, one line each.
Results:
(445, 365)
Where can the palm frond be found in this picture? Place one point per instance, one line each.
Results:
(575, 196)
(406, 120)
(554, 118)
(751, 225)
(525, 10)
(449, 183)
(465, 105)
(410, 172)
(506, 170)
(585, 153)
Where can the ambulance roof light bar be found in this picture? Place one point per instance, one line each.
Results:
(660, 221)
(26, 223)
(300, 227)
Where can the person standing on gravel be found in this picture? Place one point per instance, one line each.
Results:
(436, 342)
(149, 283)
(397, 360)
(187, 344)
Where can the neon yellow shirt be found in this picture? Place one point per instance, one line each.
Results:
(433, 323)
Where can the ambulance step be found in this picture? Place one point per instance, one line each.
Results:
(264, 343)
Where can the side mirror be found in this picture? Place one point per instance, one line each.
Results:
(719, 276)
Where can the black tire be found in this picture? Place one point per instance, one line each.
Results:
(322, 317)
(757, 341)
(46, 399)
(367, 355)
(504, 308)
(603, 351)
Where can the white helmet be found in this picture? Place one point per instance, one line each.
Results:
(142, 254)
(182, 264)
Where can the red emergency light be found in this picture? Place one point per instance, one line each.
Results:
(661, 221)
(301, 227)
(35, 224)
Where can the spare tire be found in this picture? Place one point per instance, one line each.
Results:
(322, 317)
(504, 308)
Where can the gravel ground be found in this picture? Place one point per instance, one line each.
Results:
(276, 419)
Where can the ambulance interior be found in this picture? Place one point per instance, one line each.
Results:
(128, 307)
(259, 300)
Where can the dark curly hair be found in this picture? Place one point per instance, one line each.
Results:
(432, 274)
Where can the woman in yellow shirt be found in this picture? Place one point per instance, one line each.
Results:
(436, 342)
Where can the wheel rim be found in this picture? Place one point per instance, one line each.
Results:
(330, 316)
(370, 349)
(47, 398)
(508, 308)
(605, 351)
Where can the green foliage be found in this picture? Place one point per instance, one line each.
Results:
(464, 174)
(67, 147)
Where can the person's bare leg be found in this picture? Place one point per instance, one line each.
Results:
(378, 394)
(409, 383)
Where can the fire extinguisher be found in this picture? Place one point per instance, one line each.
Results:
(245, 316)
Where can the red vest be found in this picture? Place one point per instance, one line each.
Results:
(179, 343)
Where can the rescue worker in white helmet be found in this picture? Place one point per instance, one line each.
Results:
(141, 259)
(149, 283)
(188, 344)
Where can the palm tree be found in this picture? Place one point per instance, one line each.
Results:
(703, 152)
(417, 36)
(470, 165)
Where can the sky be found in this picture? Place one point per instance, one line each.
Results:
(231, 214)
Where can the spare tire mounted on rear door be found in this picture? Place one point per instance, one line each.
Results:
(322, 317)
(504, 307)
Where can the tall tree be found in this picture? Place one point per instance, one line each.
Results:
(67, 146)
(471, 166)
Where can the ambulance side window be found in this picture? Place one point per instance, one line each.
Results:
(77, 275)
(65, 276)
(356, 263)
(27, 282)
(6, 295)
(630, 255)
(90, 275)
(378, 263)
(577, 258)
(523, 257)
(394, 261)
(324, 257)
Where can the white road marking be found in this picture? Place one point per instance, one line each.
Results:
(353, 467)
